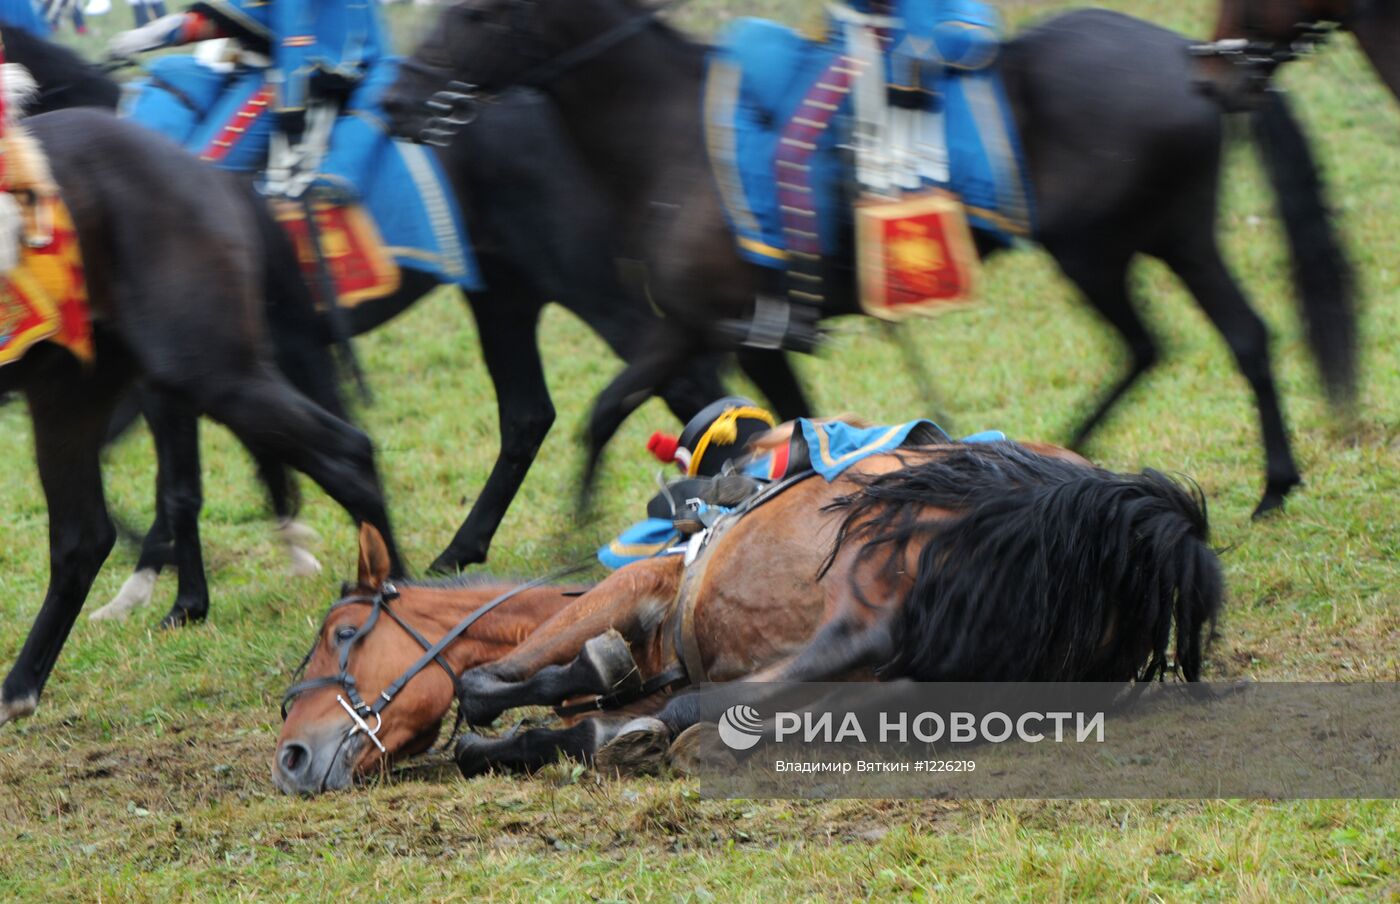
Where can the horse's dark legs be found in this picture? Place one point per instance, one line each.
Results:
(604, 664)
(772, 373)
(1204, 272)
(180, 496)
(276, 423)
(527, 751)
(1104, 281)
(70, 419)
(507, 328)
(622, 324)
(841, 649)
(666, 351)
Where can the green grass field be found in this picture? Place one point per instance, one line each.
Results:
(145, 773)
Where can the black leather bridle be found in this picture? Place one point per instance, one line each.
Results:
(360, 711)
(454, 105)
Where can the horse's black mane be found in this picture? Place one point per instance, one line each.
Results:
(1047, 570)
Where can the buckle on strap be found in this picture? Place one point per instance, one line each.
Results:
(361, 724)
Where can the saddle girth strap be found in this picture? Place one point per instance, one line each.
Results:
(688, 596)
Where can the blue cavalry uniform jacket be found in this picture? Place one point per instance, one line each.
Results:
(303, 37)
(22, 14)
(223, 118)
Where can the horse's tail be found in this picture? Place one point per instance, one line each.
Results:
(1321, 271)
(1046, 570)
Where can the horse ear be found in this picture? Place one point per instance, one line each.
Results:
(374, 557)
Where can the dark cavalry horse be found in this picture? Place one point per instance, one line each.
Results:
(173, 259)
(1123, 156)
(513, 178)
(997, 562)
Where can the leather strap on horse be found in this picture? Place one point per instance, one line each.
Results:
(551, 69)
(688, 596)
(670, 679)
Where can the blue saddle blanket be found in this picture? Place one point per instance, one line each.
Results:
(761, 73)
(225, 118)
(833, 446)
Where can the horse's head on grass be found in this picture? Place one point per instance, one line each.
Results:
(370, 692)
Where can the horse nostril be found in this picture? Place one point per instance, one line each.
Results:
(294, 757)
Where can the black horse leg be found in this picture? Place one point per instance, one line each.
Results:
(507, 327)
(175, 427)
(1204, 272)
(1104, 281)
(70, 420)
(840, 649)
(275, 422)
(772, 373)
(623, 326)
(604, 665)
(666, 352)
(526, 751)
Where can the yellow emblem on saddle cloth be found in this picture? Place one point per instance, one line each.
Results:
(44, 297)
(915, 255)
(354, 253)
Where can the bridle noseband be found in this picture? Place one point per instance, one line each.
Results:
(350, 700)
(361, 712)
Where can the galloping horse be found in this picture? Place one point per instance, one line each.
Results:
(529, 255)
(995, 562)
(1258, 35)
(1123, 157)
(173, 262)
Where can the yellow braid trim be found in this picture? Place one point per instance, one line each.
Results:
(724, 431)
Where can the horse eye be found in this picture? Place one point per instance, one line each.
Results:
(345, 632)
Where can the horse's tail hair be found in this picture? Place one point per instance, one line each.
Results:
(1321, 271)
(1045, 570)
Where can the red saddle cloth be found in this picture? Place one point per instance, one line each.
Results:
(45, 297)
(358, 262)
(915, 255)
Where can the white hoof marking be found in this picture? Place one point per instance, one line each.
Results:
(295, 535)
(17, 709)
(136, 592)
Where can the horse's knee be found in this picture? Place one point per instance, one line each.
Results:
(81, 550)
(523, 434)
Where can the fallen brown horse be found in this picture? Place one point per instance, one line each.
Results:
(983, 562)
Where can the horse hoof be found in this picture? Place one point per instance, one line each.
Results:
(1274, 495)
(179, 617)
(700, 750)
(301, 563)
(471, 708)
(10, 710)
(444, 566)
(611, 659)
(1272, 502)
(639, 748)
(471, 755)
(136, 592)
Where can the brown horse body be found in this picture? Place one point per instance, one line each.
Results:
(760, 602)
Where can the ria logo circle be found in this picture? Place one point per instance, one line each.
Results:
(740, 727)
